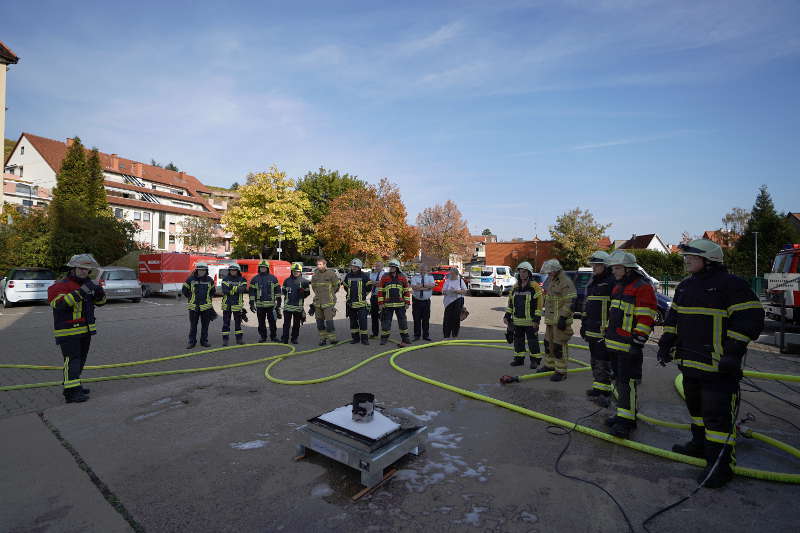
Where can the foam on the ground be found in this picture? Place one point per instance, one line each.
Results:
(378, 427)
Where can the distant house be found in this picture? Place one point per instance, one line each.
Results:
(650, 241)
(479, 246)
(535, 251)
(794, 220)
(724, 238)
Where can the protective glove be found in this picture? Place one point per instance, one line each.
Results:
(253, 307)
(244, 315)
(636, 350)
(562, 323)
(510, 335)
(278, 313)
(731, 366)
(583, 332)
(507, 319)
(664, 355)
(639, 339)
(311, 309)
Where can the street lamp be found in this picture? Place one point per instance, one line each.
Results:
(280, 237)
(756, 261)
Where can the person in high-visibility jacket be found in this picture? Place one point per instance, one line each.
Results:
(594, 319)
(358, 287)
(325, 284)
(523, 314)
(73, 300)
(631, 315)
(713, 316)
(199, 291)
(559, 296)
(265, 301)
(394, 297)
(234, 287)
(295, 289)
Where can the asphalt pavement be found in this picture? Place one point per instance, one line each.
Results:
(213, 451)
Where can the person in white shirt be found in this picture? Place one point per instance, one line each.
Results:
(453, 290)
(422, 284)
(375, 312)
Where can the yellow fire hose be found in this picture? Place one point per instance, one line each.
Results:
(397, 352)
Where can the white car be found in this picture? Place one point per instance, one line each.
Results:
(495, 279)
(26, 285)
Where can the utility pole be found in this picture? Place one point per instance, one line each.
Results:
(280, 237)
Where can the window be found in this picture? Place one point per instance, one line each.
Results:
(146, 216)
(161, 240)
(118, 212)
(33, 275)
(23, 188)
(137, 215)
(12, 170)
(27, 203)
(172, 239)
(162, 221)
(120, 275)
(21, 150)
(153, 186)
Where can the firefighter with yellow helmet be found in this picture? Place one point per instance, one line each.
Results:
(265, 301)
(295, 290)
(559, 296)
(198, 289)
(234, 287)
(523, 315)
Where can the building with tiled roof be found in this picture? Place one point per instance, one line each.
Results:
(155, 199)
(721, 237)
(651, 241)
(7, 57)
(794, 220)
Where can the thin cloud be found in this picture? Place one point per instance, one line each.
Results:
(444, 34)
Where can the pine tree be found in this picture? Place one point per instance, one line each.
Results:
(70, 190)
(96, 200)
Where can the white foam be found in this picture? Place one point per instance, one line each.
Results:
(441, 438)
(474, 517)
(250, 445)
(321, 491)
(427, 416)
(378, 427)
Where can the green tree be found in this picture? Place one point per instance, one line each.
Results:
(70, 190)
(24, 239)
(773, 232)
(8, 145)
(199, 233)
(235, 186)
(487, 231)
(96, 200)
(269, 200)
(171, 166)
(576, 233)
(660, 265)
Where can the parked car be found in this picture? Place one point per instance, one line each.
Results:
(438, 280)
(496, 279)
(26, 285)
(119, 282)
(308, 271)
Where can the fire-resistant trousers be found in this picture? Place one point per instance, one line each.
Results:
(237, 323)
(402, 322)
(75, 349)
(601, 366)
(556, 349)
(265, 314)
(358, 322)
(204, 317)
(531, 334)
(291, 322)
(712, 400)
(628, 375)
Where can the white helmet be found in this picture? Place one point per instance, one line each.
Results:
(356, 263)
(703, 248)
(83, 261)
(599, 258)
(550, 266)
(525, 266)
(394, 263)
(626, 259)
(235, 266)
(201, 264)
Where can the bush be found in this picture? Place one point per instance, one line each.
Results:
(660, 265)
(24, 239)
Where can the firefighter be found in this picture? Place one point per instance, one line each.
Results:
(325, 284)
(234, 286)
(199, 291)
(394, 297)
(265, 301)
(73, 300)
(375, 312)
(712, 318)
(631, 315)
(295, 290)
(357, 284)
(523, 314)
(559, 296)
(594, 319)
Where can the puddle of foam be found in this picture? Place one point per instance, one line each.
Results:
(427, 416)
(474, 516)
(441, 438)
(250, 445)
(321, 491)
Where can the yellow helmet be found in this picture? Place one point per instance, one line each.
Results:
(297, 267)
(263, 263)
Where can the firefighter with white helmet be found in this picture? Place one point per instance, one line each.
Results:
(594, 319)
(713, 316)
(199, 291)
(265, 301)
(631, 316)
(559, 296)
(73, 300)
(234, 287)
(358, 285)
(523, 315)
(295, 289)
(394, 297)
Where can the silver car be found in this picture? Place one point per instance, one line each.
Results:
(26, 285)
(119, 282)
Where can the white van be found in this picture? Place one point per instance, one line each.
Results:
(496, 279)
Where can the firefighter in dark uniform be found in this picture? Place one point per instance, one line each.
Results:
(295, 290)
(712, 318)
(234, 286)
(73, 300)
(265, 301)
(594, 320)
(394, 297)
(358, 286)
(199, 291)
(523, 314)
(631, 315)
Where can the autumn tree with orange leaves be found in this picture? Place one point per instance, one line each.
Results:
(443, 231)
(370, 222)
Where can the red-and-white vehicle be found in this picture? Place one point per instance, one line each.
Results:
(165, 272)
(784, 283)
(279, 269)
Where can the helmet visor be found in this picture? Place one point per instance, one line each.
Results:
(691, 250)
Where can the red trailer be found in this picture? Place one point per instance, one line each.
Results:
(279, 269)
(166, 272)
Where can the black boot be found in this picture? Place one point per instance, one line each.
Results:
(603, 400)
(323, 342)
(85, 390)
(224, 341)
(262, 339)
(534, 362)
(294, 341)
(404, 340)
(273, 338)
(76, 397)
(365, 340)
(722, 473)
(383, 340)
(611, 420)
(558, 376)
(593, 392)
(545, 369)
(623, 428)
(517, 361)
(696, 446)
(239, 339)
(205, 344)
(284, 340)
(190, 345)
(355, 339)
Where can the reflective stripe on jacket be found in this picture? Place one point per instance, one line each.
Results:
(358, 286)
(632, 312)
(294, 290)
(265, 290)
(198, 292)
(713, 312)
(233, 289)
(595, 307)
(559, 295)
(73, 311)
(394, 291)
(525, 304)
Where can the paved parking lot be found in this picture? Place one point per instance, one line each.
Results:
(213, 451)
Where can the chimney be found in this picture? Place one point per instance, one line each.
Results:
(136, 168)
(70, 140)
(115, 162)
(181, 175)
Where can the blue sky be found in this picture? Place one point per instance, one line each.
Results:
(657, 116)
